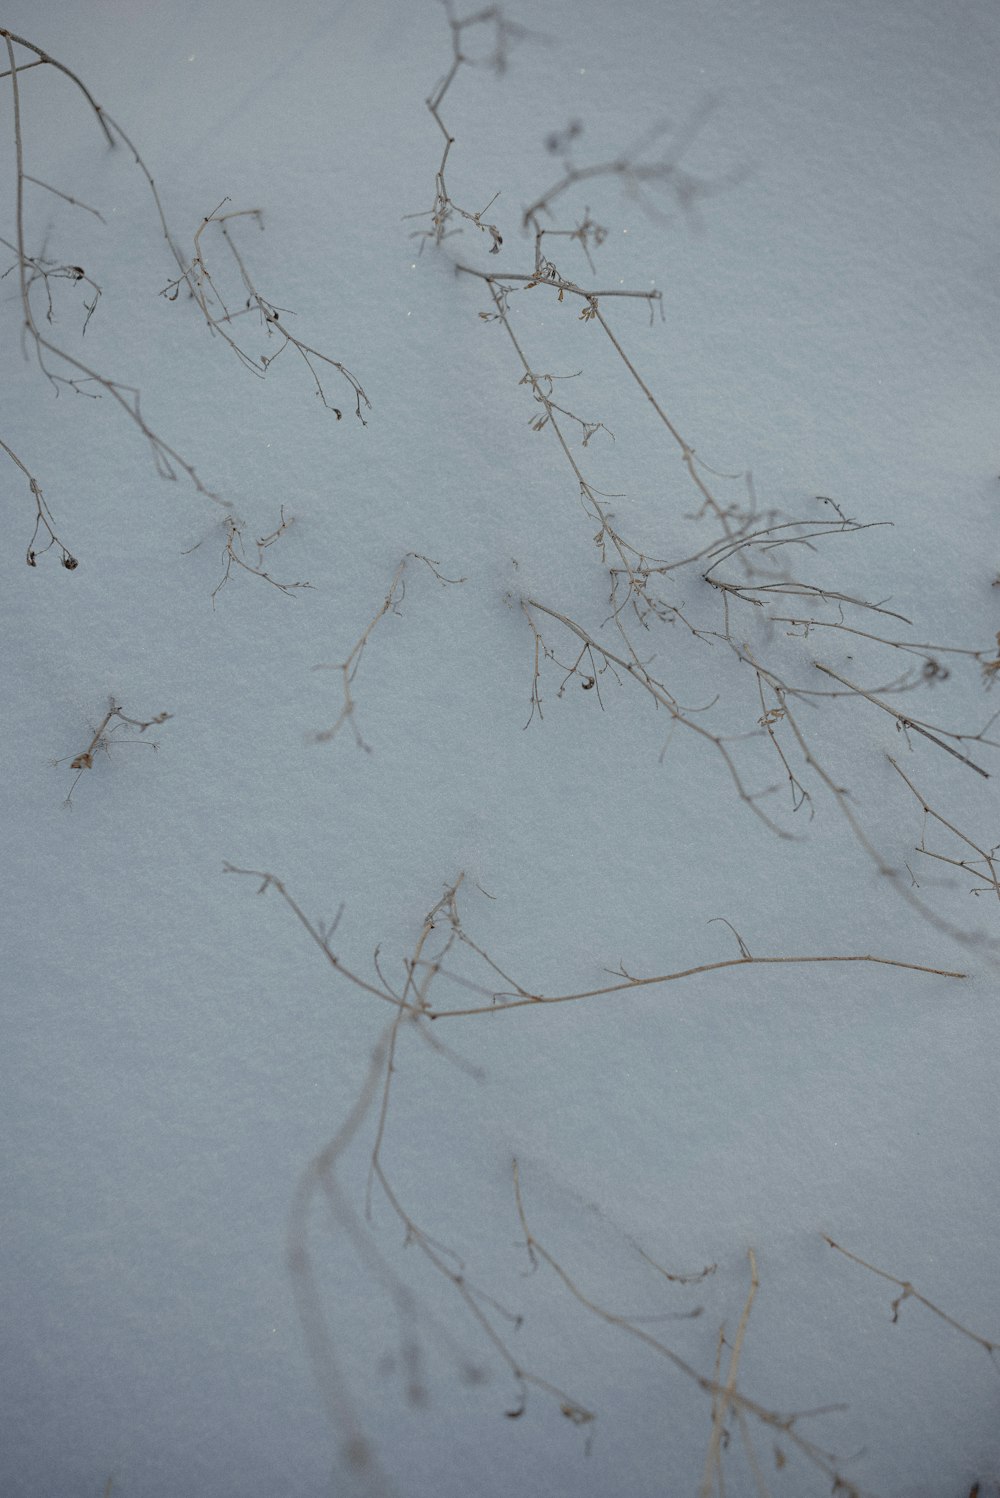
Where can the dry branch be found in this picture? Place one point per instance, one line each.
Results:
(350, 666)
(908, 1292)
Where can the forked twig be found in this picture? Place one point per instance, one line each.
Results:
(349, 667)
(989, 859)
(112, 718)
(785, 1423)
(206, 293)
(721, 1402)
(908, 1292)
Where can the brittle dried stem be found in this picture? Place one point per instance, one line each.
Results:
(349, 667)
(414, 1001)
(444, 1260)
(234, 554)
(752, 540)
(785, 1423)
(545, 272)
(424, 968)
(64, 369)
(444, 207)
(113, 718)
(167, 459)
(43, 59)
(989, 861)
(909, 1292)
(205, 291)
(47, 270)
(639, 672)
(769, 717)
(633, 563)
(843, 801)
(927, 653)
(321, 1176)
(43, 519)
(775, 537)
(721, 1402)
(907, 722)
(525, 999)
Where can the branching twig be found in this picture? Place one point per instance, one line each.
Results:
(721, 1402)
(908, 1292)
(113, 718)
(349, 667)
(206, 292)
(234, 554)
(907, 722)
(43, 519)
(726, 1392)
(990, 865)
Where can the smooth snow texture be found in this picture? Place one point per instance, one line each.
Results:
(176, 1050)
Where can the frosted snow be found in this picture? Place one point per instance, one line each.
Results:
(178, 1051)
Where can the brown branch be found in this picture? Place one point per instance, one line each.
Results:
(908, 1292)
(988, 859)
(101, 740)
(784, 1423)
(349, 667)
(631, 984)
(43, 519)
(721, 1402)
(904, 721)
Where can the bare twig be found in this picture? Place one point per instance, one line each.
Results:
(43, 519)
(908, 1292)
(196, 277)
(113, 718)
(907, 722)
(721, 1402)
(727, 1392)
(985, 866)
(349, 667)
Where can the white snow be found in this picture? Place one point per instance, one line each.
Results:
(178, 1052)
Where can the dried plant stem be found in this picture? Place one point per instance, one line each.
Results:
(317, 934)
(206, 293)
(112, 719)
(234, 555)
(440, 941)
(686, 450)
(908, 1292)
(842, 800)
(349, 667)
(910, 647)
(44, 58)
(722, 1402)
(784, 1423)
(502, 1002)
(167, 458)
(64, 369)
(989, 859)
(416, 1003)
(635, 669)
(43, 519)
(321, 1177)
(904, 721)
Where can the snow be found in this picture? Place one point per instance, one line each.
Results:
(178, 1051)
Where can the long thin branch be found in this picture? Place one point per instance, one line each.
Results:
(690, 972)
(723, 1401)
(910, 1293)
(786, 1424)
(904, 720)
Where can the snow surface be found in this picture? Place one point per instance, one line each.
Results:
(177, 1051)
